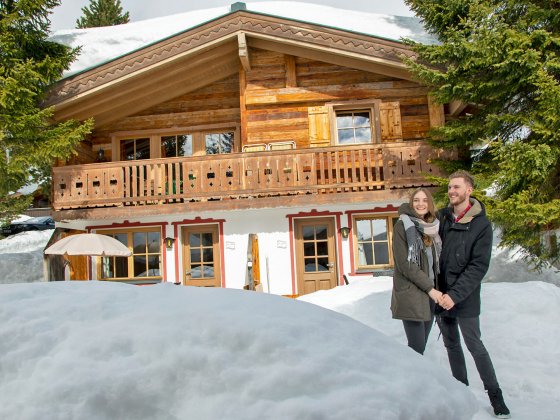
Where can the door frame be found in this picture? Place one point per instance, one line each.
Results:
(218, 252)
(332, 220)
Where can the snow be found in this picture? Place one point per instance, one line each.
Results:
(99, 45)
(106, 350)
(21, 256)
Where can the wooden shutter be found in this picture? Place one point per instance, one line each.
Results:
(319, 126)
(390, 120)
(437, 113)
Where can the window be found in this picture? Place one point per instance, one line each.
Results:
(217, 143)
(373, 241)
(353, 127)
(143, 266)
(355, 122)
(177, 145)
(135, 149)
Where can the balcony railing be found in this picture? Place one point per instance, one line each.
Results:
(241, 175)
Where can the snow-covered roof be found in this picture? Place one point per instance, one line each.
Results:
(99, 45)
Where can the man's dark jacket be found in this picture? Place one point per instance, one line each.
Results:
(467, 247)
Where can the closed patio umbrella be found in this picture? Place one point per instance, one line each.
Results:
(91, 244)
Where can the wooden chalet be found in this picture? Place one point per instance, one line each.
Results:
(251, 149)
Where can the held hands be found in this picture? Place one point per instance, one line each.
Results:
(442, 300)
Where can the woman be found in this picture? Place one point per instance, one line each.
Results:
(416, 250)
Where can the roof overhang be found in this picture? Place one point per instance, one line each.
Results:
(210, 52)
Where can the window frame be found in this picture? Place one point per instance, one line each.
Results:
(370, 105)
(130, 260)
(198, 134)
(390, 220)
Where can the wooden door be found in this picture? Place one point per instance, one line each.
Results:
(315, 254)
(201, 256)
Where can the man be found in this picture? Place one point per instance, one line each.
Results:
(467, 245)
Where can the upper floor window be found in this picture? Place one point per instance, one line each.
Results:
(355, 122)
(354, 127)
(177, 145)
(135, 149)
(217, 143)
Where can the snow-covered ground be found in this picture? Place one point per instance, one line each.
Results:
(101, 350)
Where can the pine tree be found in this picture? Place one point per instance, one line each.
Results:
(502, 57)
(29, 140)
(102, 13)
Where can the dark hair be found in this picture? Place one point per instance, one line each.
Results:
(431, 214)
(465, 175)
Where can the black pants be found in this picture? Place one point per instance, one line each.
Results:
(417, 333)
(470, 330)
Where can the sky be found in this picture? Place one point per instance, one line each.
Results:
(100, 350)
(65, 15)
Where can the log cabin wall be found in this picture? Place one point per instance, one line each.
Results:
(281, 98)
(213, 104)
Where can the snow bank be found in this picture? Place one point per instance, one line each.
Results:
(21, 256)
(105, 350)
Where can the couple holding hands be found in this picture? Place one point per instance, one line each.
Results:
(440, 260)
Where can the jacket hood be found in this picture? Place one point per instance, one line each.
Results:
(477, 209)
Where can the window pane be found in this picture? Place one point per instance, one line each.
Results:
(365, 254)
(322, 264)
(127, 150)
(121, 237)
(344, 120)
(321, 232)
(184, 145)
(381, 250)
(142, 148)
(361, 119)
(121, 267)
(364, 230)
(154, 242)
(195, 256)
(207, 239)
(153, 265)
(322, 248)
(196, 271)
(208, 270)
(308, 233)
(226, 142)
(310, 266)
(363, 135)
(208, 255)
(309, 249)
(380, 229)
(140, 266)
(212, 144)
(194, 239)
(346, 136)
(139, 240)
(169, 146)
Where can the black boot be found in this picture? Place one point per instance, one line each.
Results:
(497, 400)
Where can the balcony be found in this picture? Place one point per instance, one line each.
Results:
(331, 170)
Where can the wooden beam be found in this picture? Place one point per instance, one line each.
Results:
(437, 113)
(331, 55)
(456, 107)
(242, 106)
(237, 204)
(243, 51)
(291, 80)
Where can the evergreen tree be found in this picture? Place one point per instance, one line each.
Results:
(102, 13)
(29, 140)
(502, 57)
